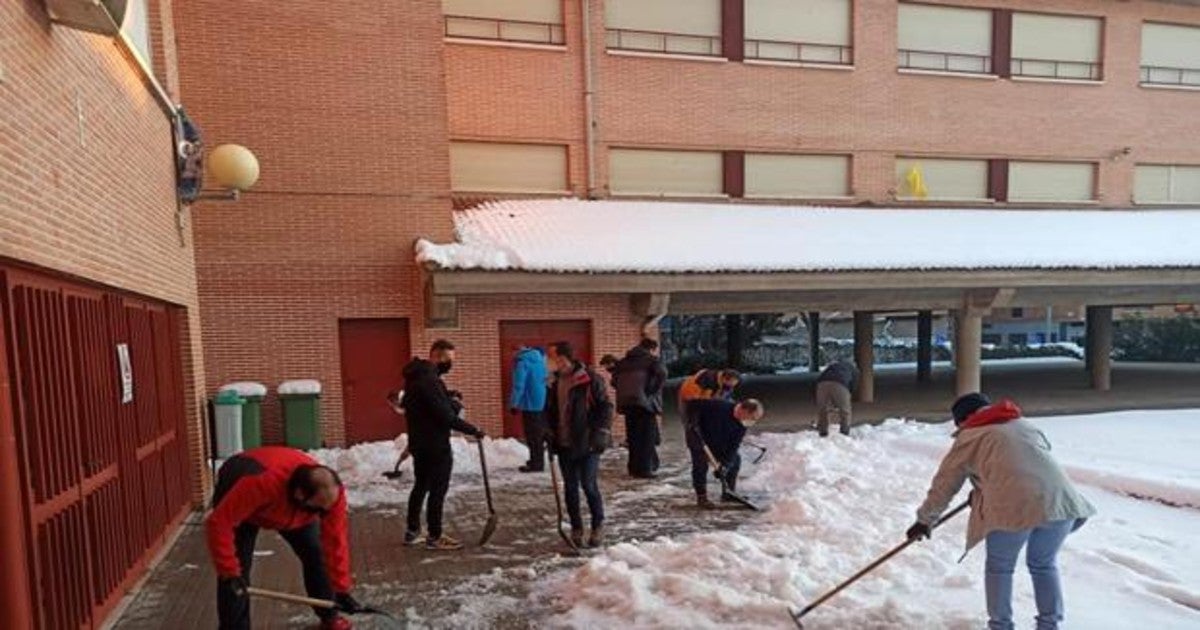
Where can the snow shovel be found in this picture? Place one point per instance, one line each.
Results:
(490, 527)
(716, 466)
(395, 472)
(322, 603)
(796, 616)
(562, 533)
(762, 451)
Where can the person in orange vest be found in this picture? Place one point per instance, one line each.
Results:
(280, 488)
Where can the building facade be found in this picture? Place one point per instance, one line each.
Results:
(373, 126)
(101, 369)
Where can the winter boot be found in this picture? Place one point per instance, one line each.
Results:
(443, 543)
(577, 538)
(526, 468)
(703, 503)
(336, 622)
(412, 538)
(597, 537)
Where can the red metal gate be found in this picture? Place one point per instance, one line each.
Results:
(104, 479)
(373, 353)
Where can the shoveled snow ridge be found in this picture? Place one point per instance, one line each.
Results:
(571, 235)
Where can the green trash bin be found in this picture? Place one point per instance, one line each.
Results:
(301, 401)
(252, 395)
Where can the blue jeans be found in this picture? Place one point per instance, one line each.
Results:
(1041, 549)
(585, 472)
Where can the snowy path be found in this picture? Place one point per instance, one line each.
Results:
(839, 503)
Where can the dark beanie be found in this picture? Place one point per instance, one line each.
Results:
(967, 405)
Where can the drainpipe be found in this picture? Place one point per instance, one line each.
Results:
(589, 107)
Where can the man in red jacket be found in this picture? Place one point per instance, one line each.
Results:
(283, 489)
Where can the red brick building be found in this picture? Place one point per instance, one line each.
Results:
(101, 372)
(374, 124)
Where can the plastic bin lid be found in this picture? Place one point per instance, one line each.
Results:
(228, 397)
(245, 388)
(300, 387)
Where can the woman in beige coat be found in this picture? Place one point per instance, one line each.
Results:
(1021, 498)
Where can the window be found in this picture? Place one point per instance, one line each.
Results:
(1056, 46)
(991, 339)
(667, 173)
(137, 28)
(797, 176)
(681, 27)
(948, 39)
(508, 168)
(1017, 313)
(529, 21)
(1166, 184)
(810, 31)
(943, 180)
(1051, 181)
(1170, 54)
(1018, 339)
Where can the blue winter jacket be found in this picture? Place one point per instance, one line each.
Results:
(528, 381)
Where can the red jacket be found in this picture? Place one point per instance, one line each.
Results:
(997, 413)
(259, 496)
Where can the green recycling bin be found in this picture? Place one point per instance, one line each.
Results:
(252, 394)
(301, 402)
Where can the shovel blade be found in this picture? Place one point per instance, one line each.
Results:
(393, 475)
(488, 529)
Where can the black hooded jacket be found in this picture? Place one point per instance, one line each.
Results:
(842, 372)
(429, 409)
(638, 379)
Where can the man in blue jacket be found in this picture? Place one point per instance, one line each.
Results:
(528, 399)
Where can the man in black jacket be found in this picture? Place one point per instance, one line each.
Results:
(638, 380)
(834, 385)
(720, 425)
(431, 412)
(580, 417)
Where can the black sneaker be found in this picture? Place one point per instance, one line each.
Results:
(526, 468)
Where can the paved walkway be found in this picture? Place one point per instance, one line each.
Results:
(490, 587)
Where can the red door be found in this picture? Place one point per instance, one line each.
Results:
(541, 333)
(104, 466)
(374, 352)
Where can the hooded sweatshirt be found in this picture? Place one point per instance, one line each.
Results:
(428, 408)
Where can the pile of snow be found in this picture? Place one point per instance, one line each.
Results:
(301, 387)
(837, 504)
(245, 389)
(592, 236)
(361, 466)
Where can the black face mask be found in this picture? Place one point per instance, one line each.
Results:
(444, 367)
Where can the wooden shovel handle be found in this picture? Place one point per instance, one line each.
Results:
(294, 599)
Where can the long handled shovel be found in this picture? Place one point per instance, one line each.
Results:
(796, 616)
(490, 527)
(320, 603)
(562, 533)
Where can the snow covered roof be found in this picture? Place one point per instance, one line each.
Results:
(570, 235)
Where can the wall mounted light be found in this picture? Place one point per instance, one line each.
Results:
(233, 168)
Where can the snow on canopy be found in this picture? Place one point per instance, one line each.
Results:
(571, 235)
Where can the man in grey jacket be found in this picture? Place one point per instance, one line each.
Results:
(1021, 498)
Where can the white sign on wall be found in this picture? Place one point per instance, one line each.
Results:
(126, 373)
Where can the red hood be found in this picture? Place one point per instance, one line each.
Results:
(997, 413)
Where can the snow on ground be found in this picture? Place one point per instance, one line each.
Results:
(588, 236)
(836, 504)
(361, 467)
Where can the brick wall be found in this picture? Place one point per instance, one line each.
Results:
(872, 112)
(87, 183)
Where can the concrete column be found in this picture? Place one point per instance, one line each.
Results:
(968, 335)
(924, 346)
(814, 341)
(1099, 346)
(864, 355)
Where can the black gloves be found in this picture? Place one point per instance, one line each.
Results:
(235, 586)
(347, 604)
(918, 531)
(479, 433)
